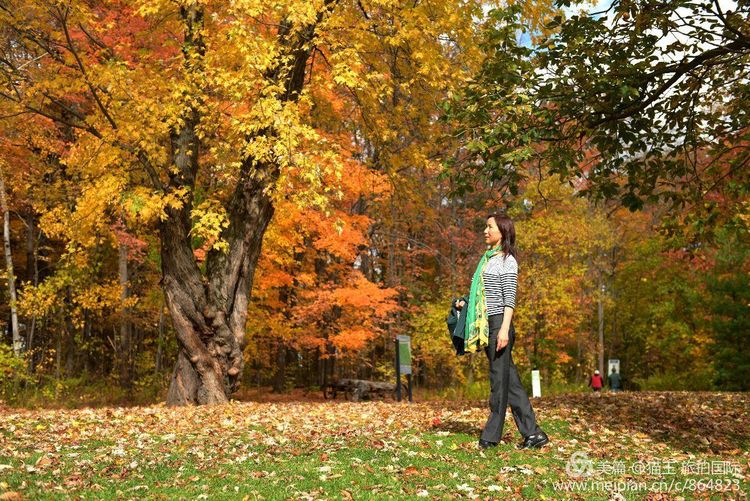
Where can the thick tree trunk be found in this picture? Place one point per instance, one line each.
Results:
(209, 361)
(199, 373)
(209, 312)
(209, 317)
(17, 343)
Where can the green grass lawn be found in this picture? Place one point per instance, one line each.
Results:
(380, 450)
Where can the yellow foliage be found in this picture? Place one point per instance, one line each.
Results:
(210, 220)
(85, 296)
(147, 205)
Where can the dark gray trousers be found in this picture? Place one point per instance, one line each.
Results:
(506, 388)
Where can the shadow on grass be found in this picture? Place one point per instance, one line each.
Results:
(716, 422)
(464, 427)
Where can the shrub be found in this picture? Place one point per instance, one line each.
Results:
(694, 381)
(12, 372)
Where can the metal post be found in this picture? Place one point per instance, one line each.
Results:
(398, 373)
(408, 378)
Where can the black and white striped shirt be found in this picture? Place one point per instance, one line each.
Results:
(500, 283)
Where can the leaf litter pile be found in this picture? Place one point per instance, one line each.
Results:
(375, 450)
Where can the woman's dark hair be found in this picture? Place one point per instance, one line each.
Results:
(507, 233)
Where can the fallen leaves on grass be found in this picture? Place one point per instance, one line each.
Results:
(119, 443)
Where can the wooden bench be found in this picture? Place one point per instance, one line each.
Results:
(355, 390)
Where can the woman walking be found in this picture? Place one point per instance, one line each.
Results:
(489, 315)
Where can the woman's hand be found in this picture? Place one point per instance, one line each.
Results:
(502, 339)
(502, 335)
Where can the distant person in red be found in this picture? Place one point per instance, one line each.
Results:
(597, 381)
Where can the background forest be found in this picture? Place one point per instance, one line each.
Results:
(385, 132)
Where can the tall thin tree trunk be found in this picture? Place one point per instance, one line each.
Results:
(320, 365)
(32, 242)
(32, 269)
(579, 371)
(390, 276)
(86, 364)
(17, 342)
(58, 355)
(279, 377)
(125, 327)
(615, 343)
(160, 342)
(70, 334)
(30, 344)
(453, 267)
(335, 369)
(32, 275)
(470, 370)
(600, 310)
(70, 351)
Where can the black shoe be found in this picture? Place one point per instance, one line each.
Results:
(535, 441)
(484, 444)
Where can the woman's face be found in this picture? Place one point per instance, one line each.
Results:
(491, 233)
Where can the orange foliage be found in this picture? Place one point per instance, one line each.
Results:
(307, 276)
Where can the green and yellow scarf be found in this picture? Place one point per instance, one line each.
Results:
(477, 323)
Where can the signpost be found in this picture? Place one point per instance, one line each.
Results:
(536, 386)
(403, 363)
(613, 362)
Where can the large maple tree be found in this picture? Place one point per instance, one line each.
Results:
(199, 117)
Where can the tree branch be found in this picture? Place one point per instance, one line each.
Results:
(678, 71)
(71, 48)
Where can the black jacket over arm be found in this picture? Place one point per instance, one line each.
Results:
(457, 324)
